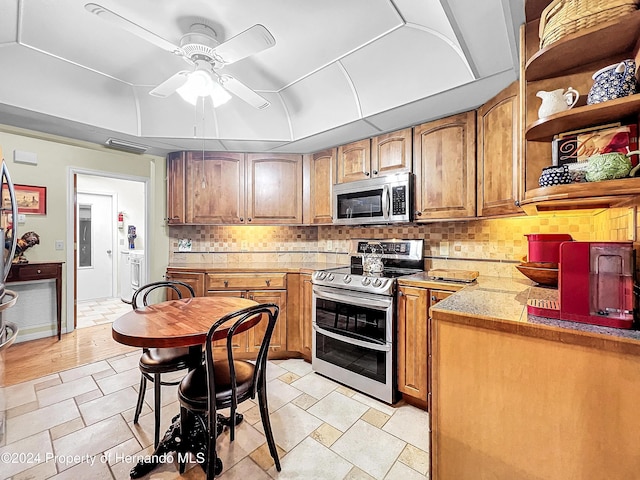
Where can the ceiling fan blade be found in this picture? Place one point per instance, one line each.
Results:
(252, 40)
(171, 84)
(133, 28)
(243, 92)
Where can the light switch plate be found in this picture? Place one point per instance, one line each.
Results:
(59, 244)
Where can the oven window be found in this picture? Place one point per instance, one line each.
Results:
(353, 321)
(360, 204)
(365, 362)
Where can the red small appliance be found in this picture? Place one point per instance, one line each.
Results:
(595, 285)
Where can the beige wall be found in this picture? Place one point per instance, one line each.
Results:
(56, 156)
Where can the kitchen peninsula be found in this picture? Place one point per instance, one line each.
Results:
(526, 398)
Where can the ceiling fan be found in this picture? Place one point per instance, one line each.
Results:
(204, 53)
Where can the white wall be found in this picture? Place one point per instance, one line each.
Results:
(56, 156)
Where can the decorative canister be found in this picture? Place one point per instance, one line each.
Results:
(614, 81)
(554, 176)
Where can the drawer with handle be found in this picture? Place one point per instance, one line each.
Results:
(235, 281)
(27, 272)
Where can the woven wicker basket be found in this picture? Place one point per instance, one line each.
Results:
(563, 17)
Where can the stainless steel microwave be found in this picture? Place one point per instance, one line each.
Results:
(379, 200)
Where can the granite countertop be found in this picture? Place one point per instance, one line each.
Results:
(244, 267)
(501, 304)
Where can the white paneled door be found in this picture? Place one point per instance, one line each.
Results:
(95, 251)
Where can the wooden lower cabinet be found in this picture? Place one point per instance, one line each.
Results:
(412, 341)
(306, 315)
(520, 402)
(196, 280)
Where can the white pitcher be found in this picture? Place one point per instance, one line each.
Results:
(556, 101)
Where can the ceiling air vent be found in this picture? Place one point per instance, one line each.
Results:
(125, 146)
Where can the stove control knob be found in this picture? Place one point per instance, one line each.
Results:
(366, 281)
(330, 277)
(321, 275)
(347, 279)
(377, 282)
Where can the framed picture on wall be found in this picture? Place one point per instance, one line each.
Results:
(30, 199)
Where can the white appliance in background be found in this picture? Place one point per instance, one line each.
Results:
(138, 270)
(125, 276)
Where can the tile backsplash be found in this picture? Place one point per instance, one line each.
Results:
(491, 246)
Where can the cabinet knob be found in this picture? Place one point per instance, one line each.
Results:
(417, 213)
(241, 219)
(400, 293)
(268, 282)
(367, 173)
(249, 219)
(433, 298)
(226, 283)
(517, 203)
(39, 271)
(375, 172)
(251, 296)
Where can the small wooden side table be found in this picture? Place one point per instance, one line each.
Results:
(28, 272)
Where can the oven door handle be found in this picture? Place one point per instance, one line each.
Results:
(359, 343)
(367, 302)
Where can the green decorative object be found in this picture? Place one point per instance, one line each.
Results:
(608, 166)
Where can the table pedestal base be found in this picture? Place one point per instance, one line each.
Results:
(194, 442)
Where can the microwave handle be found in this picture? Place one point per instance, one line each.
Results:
(386, 207)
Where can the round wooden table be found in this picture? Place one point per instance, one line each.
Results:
(178, 323)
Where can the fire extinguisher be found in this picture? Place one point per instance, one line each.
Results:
(120, 220)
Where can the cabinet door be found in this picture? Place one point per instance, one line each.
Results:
(274, 189)
(412, 341)
(354, 161)
(306, 315)
(215, 188)
(175, 188)
(445, 167)
(391, 153)
(279, 337)
(240, 341)
(498, 157)
(196, 280)
(321, 173)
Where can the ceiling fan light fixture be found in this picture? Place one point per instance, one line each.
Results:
(200, 83)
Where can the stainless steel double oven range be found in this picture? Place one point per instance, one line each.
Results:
(354, 315)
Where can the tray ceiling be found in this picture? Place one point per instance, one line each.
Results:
(339, 71)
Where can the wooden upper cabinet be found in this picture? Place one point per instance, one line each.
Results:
(319, 174)
(391, 153)
(445, 168)
(175, 188)
(215, 188)
(354, 161)
(274, 189)
(498, 154)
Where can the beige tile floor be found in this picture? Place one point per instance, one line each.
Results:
(323, 430)
(102, 310)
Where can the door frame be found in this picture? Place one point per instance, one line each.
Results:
(71, 278)
(114, 249)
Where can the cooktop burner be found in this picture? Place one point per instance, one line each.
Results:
(398, 258)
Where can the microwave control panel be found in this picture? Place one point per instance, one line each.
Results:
(399, 200)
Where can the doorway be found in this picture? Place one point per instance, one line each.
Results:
(96, 265)
(97, 234)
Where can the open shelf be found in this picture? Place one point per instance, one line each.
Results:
(544, 129)
(612, 38)
(580, 196)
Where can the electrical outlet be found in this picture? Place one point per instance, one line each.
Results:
(329, 245)
(22, 218)
(444, 249)
(244, 246)
(59, 245)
